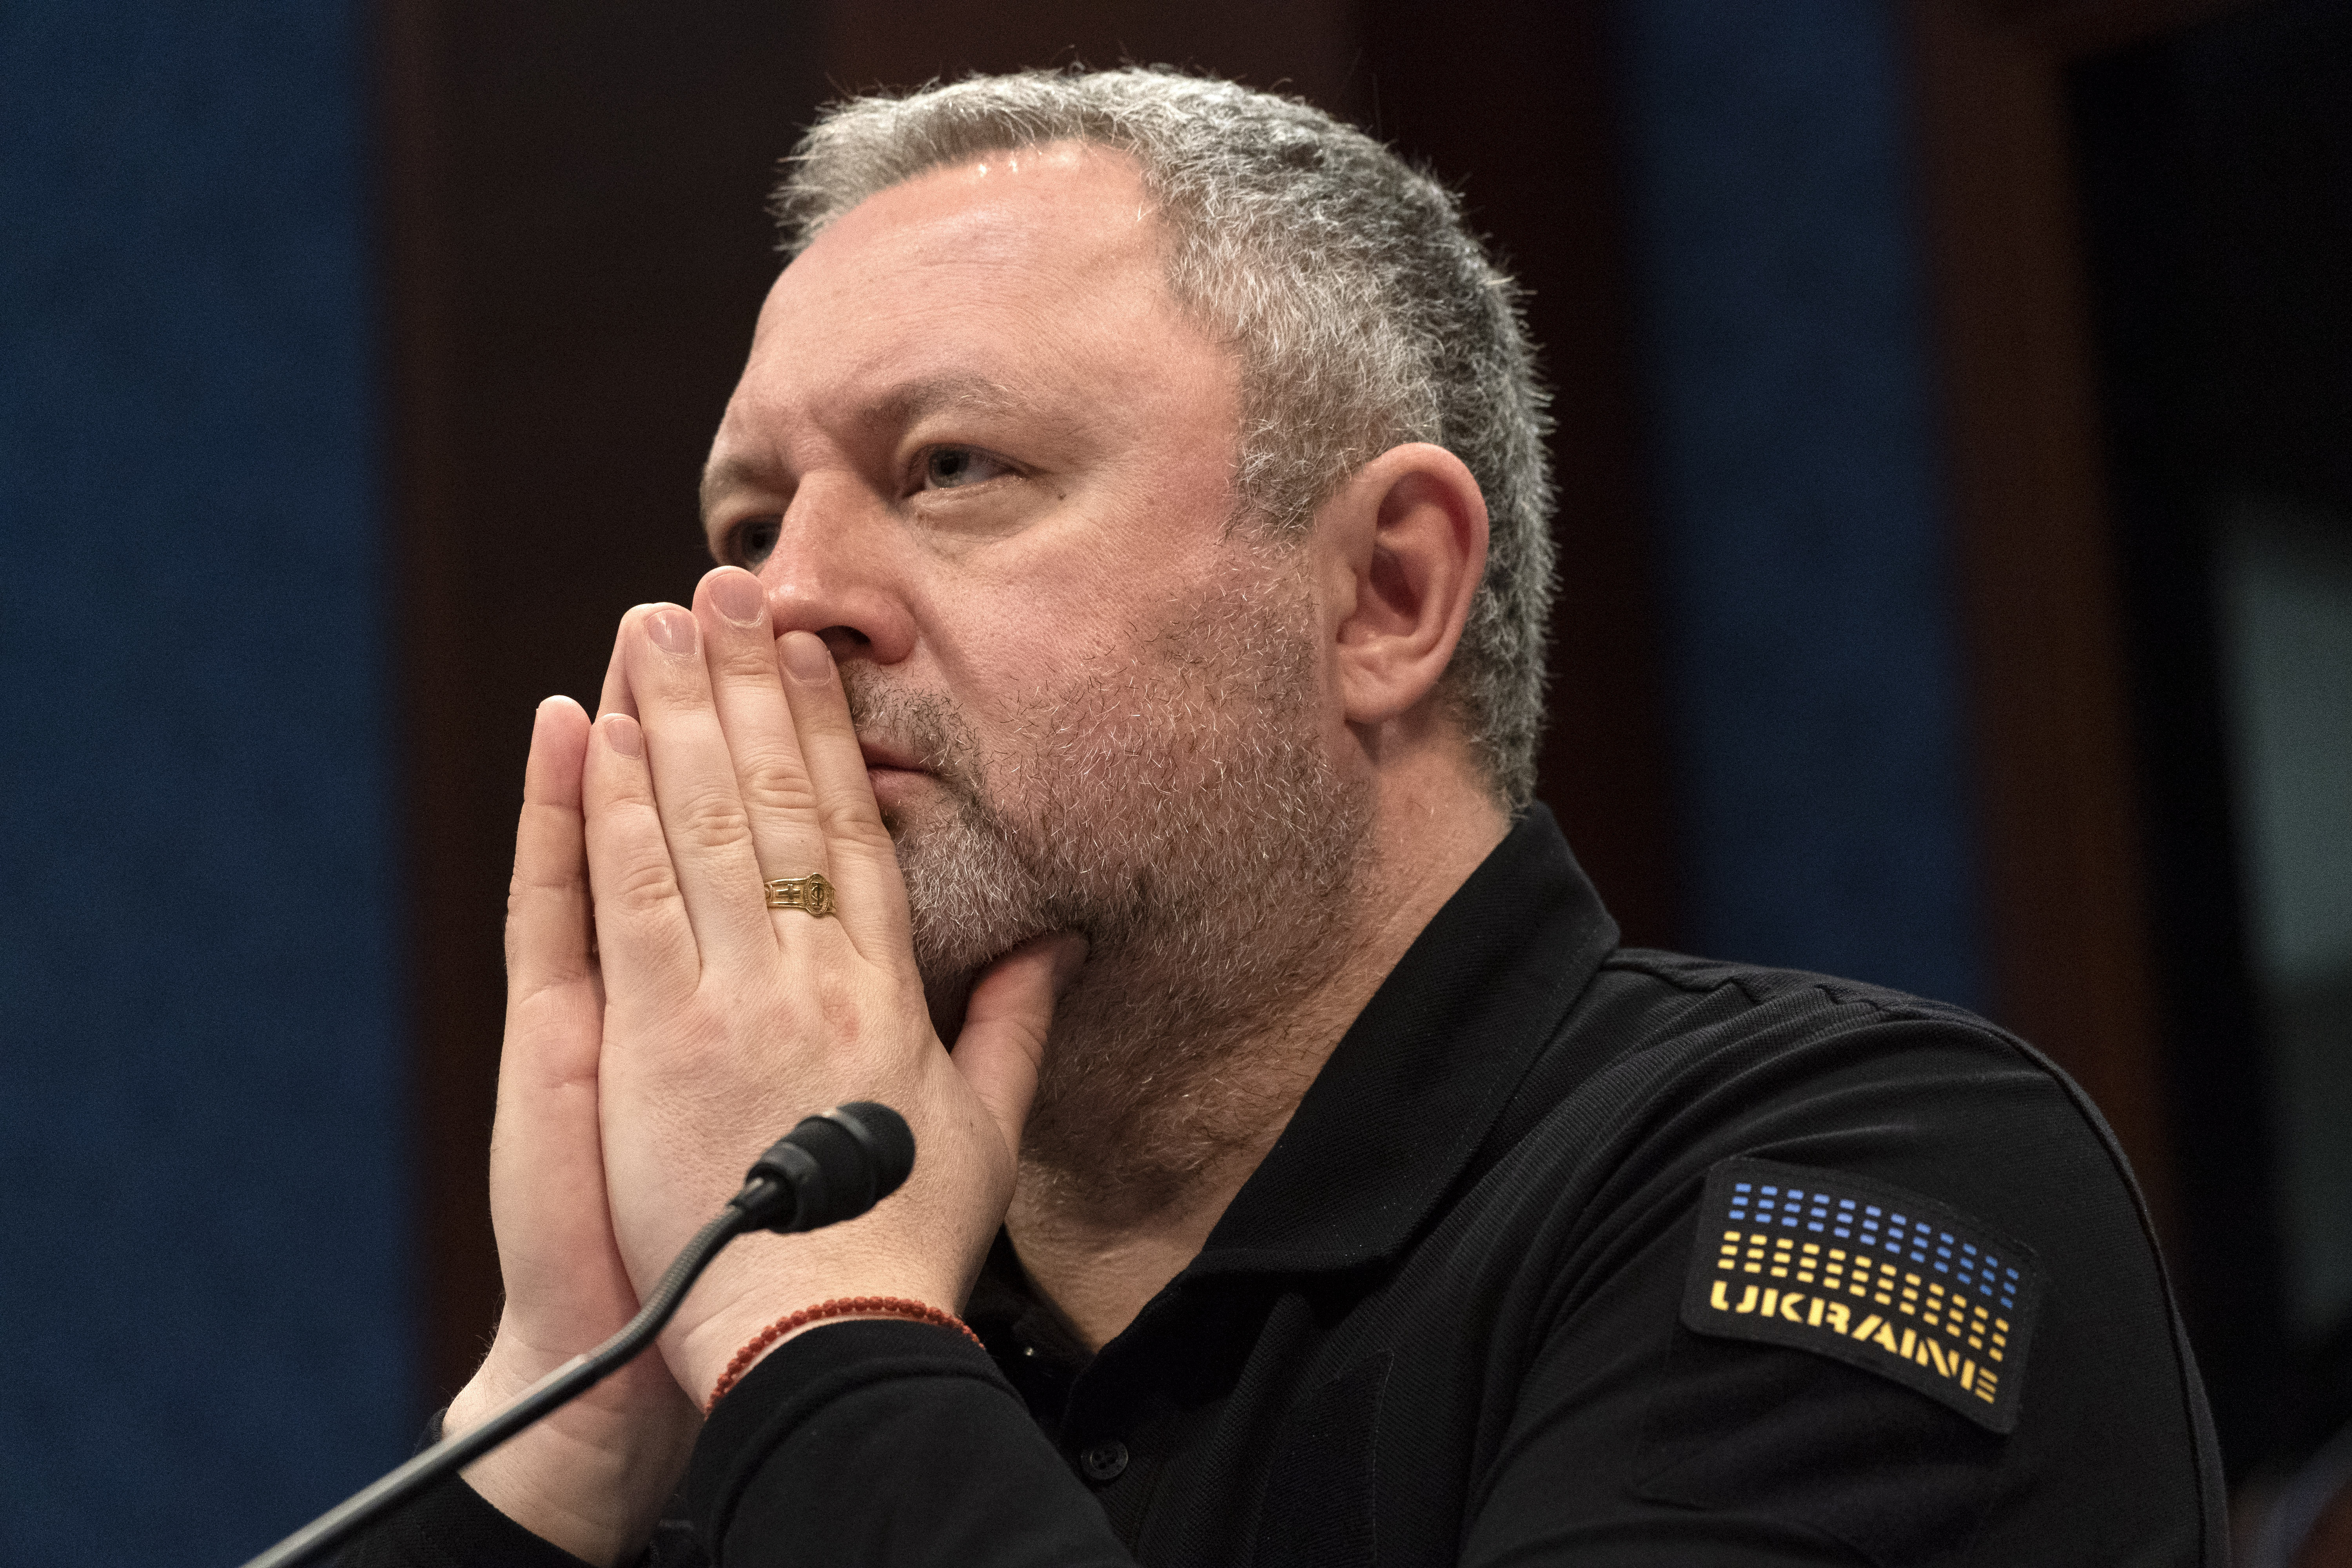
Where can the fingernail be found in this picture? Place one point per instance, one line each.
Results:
(672, 630)
(807, 658)
(739, 598)
(622, 733)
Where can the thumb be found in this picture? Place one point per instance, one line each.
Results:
(1004, 1025)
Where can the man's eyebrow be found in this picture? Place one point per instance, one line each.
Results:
(721, 475)
(900, 404)
(946, 393)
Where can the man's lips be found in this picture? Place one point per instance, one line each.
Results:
(881, 755)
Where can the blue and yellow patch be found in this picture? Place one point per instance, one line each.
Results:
(1879, 1277)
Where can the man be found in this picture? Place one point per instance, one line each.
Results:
(1133, 520)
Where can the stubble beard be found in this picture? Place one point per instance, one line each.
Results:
(1179, 811)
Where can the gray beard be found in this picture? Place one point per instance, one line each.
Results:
(1182, 815)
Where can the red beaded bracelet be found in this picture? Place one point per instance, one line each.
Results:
(839, 1307)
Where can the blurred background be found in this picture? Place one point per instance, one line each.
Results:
(1955, 438)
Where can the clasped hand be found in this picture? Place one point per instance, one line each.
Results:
(663, 1026)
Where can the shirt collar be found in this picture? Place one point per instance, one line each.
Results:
(1415, 1084)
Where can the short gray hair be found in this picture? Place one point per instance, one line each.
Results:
(1364, 311)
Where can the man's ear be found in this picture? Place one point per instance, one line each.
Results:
(1409, 529)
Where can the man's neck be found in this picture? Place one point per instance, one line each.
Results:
(1100, 1230)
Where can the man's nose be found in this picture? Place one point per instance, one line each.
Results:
(835, 570)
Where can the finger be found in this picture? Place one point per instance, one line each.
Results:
(616, 697)
(748, 689)
(566, 1286)
(873, 897)
(547, 1167)
(548, 929)
(702, 814)
(1003, 1045)
(645, 944)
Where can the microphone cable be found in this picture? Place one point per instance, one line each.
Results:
(832, 1167)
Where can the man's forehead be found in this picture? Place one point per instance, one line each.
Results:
(1052, 221)
(1002, 284)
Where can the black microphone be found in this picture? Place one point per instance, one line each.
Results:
(832, 1167)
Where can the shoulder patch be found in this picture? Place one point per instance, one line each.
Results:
(1879, 1277)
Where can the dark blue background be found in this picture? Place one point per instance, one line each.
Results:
(204, 1258)
(1824, 810)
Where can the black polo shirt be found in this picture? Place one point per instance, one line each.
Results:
(1571, 1253)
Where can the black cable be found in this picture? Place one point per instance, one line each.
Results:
(832, 1167)
(572, 1379)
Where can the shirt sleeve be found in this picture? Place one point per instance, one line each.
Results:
(1636, 1440)
(872, 1441)
(450, 1526)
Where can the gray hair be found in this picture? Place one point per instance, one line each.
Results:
(1364, 313)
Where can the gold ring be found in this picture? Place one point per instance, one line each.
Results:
(812, 893)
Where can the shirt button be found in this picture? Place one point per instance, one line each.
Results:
(1104, 1461)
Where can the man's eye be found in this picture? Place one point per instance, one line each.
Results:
(950, 468)
(755, 542)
